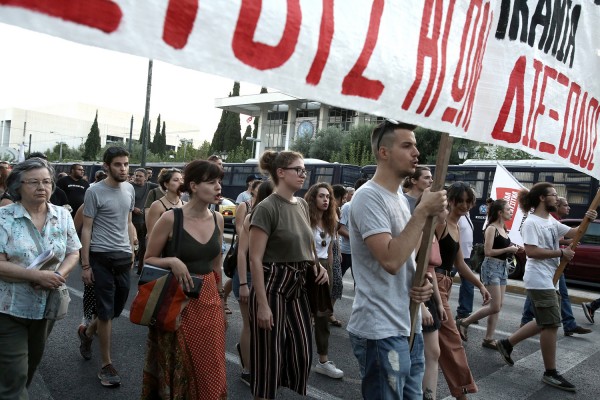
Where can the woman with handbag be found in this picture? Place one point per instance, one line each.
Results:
(281, 252)
(323, 221)
(171, 182)
(29, 227)
(190, 363)
(241, 287)
(494, 271)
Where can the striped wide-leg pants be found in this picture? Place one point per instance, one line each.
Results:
(283, 355)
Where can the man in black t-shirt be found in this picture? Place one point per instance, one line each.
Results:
(74, 186)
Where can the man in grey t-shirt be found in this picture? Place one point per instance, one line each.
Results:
(383, 238)
(107, 237)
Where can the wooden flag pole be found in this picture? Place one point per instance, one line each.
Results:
(439, 178)
(580, 232)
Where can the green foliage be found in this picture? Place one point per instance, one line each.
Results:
(326, 142)
(229, 131)
(160, 141)
(152, 145)
(92, 143)
(239, 154)
(302, 146)
(247, 144)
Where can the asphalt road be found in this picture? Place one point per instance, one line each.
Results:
(63, 374)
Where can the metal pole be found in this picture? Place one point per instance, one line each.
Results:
(146, 116)
(130, 134)
(60, 152)
(29, 150)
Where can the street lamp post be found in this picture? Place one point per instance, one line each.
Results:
(61, 146)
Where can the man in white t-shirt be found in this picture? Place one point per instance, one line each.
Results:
(541, 234)
(383, 237)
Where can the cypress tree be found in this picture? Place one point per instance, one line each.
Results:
(160, 143)
(92, 143)
(247, 144)
(152, 145)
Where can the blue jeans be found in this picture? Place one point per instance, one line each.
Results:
(465, 297)
(389, 369)
(568, 320)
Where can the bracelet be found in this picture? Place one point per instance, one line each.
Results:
(85, 265)
(244, 284)
(57, 273)
(86, 268)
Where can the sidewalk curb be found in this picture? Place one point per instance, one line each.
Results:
(576, 296)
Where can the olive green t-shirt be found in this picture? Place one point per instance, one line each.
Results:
(288, 227)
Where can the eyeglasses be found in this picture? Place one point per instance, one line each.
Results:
(323, 241)
(384, 127)
(299, 170)
(35, 183)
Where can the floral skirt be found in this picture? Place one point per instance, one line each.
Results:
(189, 364)
(337, 285)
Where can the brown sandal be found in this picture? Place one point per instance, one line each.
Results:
(462, 329)
(335, 322)
(490, 344)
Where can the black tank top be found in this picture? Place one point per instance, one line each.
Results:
(501, 242)
(195, 255)
(448, 249)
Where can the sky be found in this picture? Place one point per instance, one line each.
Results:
(38, 70)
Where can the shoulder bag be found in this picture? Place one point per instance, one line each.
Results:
(230, 262)
(159, 302)
(57, 302)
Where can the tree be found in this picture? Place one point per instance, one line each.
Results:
(92, 143)
(160, 141)
(152, 145)
(326, 142)
(247, 144)
(302, 145)
(229, 131)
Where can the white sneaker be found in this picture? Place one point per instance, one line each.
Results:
(328, 368)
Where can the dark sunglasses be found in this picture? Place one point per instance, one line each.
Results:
(387, 124)
(323, 241)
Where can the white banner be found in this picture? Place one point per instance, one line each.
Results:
(506, 187)
(517, 73)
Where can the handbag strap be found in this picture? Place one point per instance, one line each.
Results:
(34, 235)
(177, 230)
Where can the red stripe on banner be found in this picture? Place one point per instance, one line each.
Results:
(179, 22)
(259, 55)
(325, 38)
(104, 15)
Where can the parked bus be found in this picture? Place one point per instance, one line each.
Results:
(234, 181)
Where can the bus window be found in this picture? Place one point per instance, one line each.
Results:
(350, 174)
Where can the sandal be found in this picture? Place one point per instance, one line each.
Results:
(490, 344)
(335, 322)
(462, 329)
(227, 310)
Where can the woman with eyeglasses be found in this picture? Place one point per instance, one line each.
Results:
(28, 227)
(171, 182)
(323, 221)
(281, 252)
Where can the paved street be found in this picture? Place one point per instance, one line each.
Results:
(63, 374)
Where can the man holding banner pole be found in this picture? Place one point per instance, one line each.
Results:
(383, 238)
(541, 234)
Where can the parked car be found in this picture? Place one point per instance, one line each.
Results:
(584, 267)
(227, 209)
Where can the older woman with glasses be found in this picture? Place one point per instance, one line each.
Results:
(31, 222)
(171, 181)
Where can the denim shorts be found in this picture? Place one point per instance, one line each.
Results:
(388, 368)
(494, 272)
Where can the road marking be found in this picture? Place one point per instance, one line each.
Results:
(525, 377)
(233, 358)
(310, 390)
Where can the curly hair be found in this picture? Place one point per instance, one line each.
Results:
(529, 199)
(329, 218)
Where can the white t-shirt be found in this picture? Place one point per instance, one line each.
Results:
(465, 226)
(381, 303)
(345, 243)
(322, 251)
(543, 233)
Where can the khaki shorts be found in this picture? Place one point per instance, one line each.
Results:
(546, 307)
